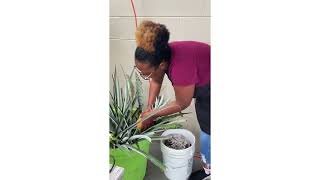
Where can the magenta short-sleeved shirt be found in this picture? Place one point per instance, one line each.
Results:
(189, 63)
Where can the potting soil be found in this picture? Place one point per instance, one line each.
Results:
(177, 141)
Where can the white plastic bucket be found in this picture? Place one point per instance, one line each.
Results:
(178, 162)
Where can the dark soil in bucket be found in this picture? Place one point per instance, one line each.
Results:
(177, 141)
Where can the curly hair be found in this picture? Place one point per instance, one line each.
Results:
(152, 43)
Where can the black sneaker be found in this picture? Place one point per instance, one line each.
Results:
(198, 175)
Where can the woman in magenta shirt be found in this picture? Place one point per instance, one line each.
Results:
(187, 65)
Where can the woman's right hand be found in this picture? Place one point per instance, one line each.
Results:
(146, 123)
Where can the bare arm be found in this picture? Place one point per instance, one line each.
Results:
(154, 90)
(184, 95)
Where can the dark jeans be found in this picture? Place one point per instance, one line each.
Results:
(202, 104)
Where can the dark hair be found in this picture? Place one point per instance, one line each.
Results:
(152, 43)
(153, 58)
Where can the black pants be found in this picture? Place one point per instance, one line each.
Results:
(202, 104)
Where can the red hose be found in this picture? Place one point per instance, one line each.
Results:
(135, 15)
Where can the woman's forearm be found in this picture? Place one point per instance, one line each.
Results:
(183, 100)
(154, 90)
(171, 108)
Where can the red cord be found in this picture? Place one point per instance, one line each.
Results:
(135, 15)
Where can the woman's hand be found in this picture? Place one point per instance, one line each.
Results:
(148, 122)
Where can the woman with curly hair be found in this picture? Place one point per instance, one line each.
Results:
(187, 65)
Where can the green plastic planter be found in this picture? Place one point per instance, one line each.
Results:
(134, 165)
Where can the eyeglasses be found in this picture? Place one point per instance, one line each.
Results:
(145, 77)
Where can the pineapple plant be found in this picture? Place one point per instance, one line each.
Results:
(128, 142)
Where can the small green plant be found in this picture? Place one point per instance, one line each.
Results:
(125, 108)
